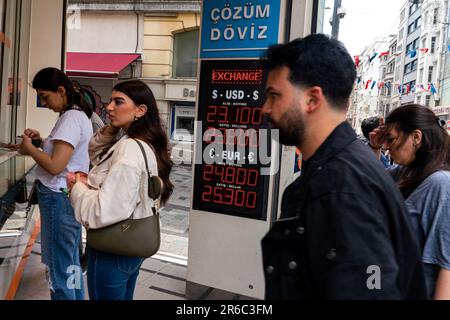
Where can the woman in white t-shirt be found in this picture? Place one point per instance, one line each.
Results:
(65, 150)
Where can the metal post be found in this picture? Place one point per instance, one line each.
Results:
(336, 19)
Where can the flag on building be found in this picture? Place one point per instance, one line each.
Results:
(373, 85)
(433, 89)
(386, 53)
(412, 53)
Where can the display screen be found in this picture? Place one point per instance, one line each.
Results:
(231, 176)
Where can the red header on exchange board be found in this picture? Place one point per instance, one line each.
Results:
(253, 76)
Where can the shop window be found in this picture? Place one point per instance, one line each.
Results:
(14, 32)
(183, 123)
(185, 54)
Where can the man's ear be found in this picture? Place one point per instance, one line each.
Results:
(314, 98)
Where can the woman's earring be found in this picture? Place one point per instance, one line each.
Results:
(136, 118)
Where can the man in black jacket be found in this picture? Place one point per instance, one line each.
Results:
(343, 231)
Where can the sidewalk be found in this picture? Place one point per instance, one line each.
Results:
(161, 277)
(175, 215)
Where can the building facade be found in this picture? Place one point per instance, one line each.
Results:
(414, 69)
(368, 95)
(410, 57)
(387, 81)
(164, 35)
(433, 52)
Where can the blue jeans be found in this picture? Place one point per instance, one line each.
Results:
(110, 276)
(60, 241)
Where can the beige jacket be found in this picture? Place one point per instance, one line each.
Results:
(117, 184)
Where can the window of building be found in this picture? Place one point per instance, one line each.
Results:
(413, 26)
(185, 54)
(409, 87)
(427, 100)
(392, 48)
(435, 15)
(421, 75)
(424, 42)
(430, 73)
(391, 67)
(402, 15)
(413, 45)
(412, 8)
(410, 67)
(414, 65)
(433, 44)
(400, 34)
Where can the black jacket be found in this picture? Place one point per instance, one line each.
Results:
(343, 227)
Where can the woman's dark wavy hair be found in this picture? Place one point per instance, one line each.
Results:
(149, 128)
(434, 151)
(50, 79)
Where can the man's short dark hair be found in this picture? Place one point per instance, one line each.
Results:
(368, 125)
(317, 60)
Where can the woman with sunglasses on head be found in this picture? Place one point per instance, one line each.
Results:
(419, 144)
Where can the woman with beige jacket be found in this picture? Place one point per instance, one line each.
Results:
(117, 185)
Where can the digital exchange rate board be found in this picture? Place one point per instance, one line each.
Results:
(232, 175)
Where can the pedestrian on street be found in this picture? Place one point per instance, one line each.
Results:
(64, 150)
(117, 186)
(367, 126)
(419, 144)
(343, 231)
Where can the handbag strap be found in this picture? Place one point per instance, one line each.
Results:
(145, 157)
(149, 173)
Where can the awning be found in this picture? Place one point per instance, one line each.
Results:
(98, 65)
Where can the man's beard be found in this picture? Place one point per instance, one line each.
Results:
(291, 127)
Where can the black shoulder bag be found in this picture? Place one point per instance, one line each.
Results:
(132, 237)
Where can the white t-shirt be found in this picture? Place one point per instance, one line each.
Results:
(75, 128)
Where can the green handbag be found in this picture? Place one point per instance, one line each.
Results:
(132, 237)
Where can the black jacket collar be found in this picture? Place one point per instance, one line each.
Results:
(341, 136)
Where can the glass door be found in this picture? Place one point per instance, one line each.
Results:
(15, 29)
